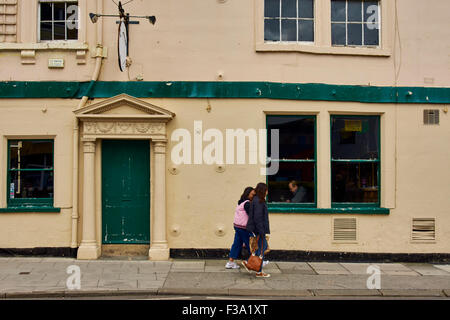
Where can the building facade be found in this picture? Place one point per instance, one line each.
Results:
(348, 99)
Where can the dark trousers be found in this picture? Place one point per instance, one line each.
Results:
(241, 236)
(262, 243)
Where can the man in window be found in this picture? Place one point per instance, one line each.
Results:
(299, 192)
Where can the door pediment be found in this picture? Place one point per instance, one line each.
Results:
(124, 106)
(123, 116)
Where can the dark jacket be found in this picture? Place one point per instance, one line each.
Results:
(258, 217)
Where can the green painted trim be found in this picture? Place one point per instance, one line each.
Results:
(353, 210)
(30, 209)
(215, 89)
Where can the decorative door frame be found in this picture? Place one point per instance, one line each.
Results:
(124, 117)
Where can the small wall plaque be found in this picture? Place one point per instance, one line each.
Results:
(56, 63)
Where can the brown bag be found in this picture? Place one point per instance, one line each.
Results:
(254, 263)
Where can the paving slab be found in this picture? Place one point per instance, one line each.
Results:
(119, 284)
(198, 265)
(150, 283)
(445, 267)
(121, 269)
(392, 267)
(427, 270)
(220, 269)
(328, 268)
(358, 268)
(138, 276)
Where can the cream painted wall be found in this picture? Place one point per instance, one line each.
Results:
(200, 200)
(196, 39)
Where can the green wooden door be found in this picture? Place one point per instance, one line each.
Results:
(126, 192)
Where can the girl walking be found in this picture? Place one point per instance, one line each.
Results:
(241, 235)
(258, 224)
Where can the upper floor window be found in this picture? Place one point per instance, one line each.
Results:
(58, 20)
(355, 23)
(289, 20)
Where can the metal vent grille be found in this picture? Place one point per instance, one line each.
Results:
(8, 20)
(423, 229)
(344, 229)
(430, 116)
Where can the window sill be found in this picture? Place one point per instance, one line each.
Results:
(59, 45)
(30, 209)
(311, 48)
(347, 210)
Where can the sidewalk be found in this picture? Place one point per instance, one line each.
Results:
(23, 277)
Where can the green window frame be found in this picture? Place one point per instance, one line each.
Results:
(275, 206)
(372, 162)
(27, 202)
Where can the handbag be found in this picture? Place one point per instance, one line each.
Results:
(254, 262)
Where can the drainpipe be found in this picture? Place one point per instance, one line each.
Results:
(76, 133)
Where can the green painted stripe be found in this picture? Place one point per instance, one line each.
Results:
(30, 210)
(187, 89)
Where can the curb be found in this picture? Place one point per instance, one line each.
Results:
(229, 292)
(346, 292)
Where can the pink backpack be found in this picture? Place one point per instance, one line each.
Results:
(240, 216)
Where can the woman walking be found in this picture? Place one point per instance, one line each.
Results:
(258, 224)
(241, 235)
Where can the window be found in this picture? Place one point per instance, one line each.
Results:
(30, 173)
(355, 161)
(297, 160)
(289, 20)
(355, 23)
(8, 21)
(58, 20)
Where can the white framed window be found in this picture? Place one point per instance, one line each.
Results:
(58, 20)
(355, 23)
(347, 27)
(289, 20)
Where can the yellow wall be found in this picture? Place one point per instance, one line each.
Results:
(200, 200)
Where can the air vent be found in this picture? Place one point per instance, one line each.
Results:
(430, 116)
(344, 229)
(423, 229)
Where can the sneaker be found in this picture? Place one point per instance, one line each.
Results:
(244, 263)
(265, 263)
(262, 275)
(231, 265)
